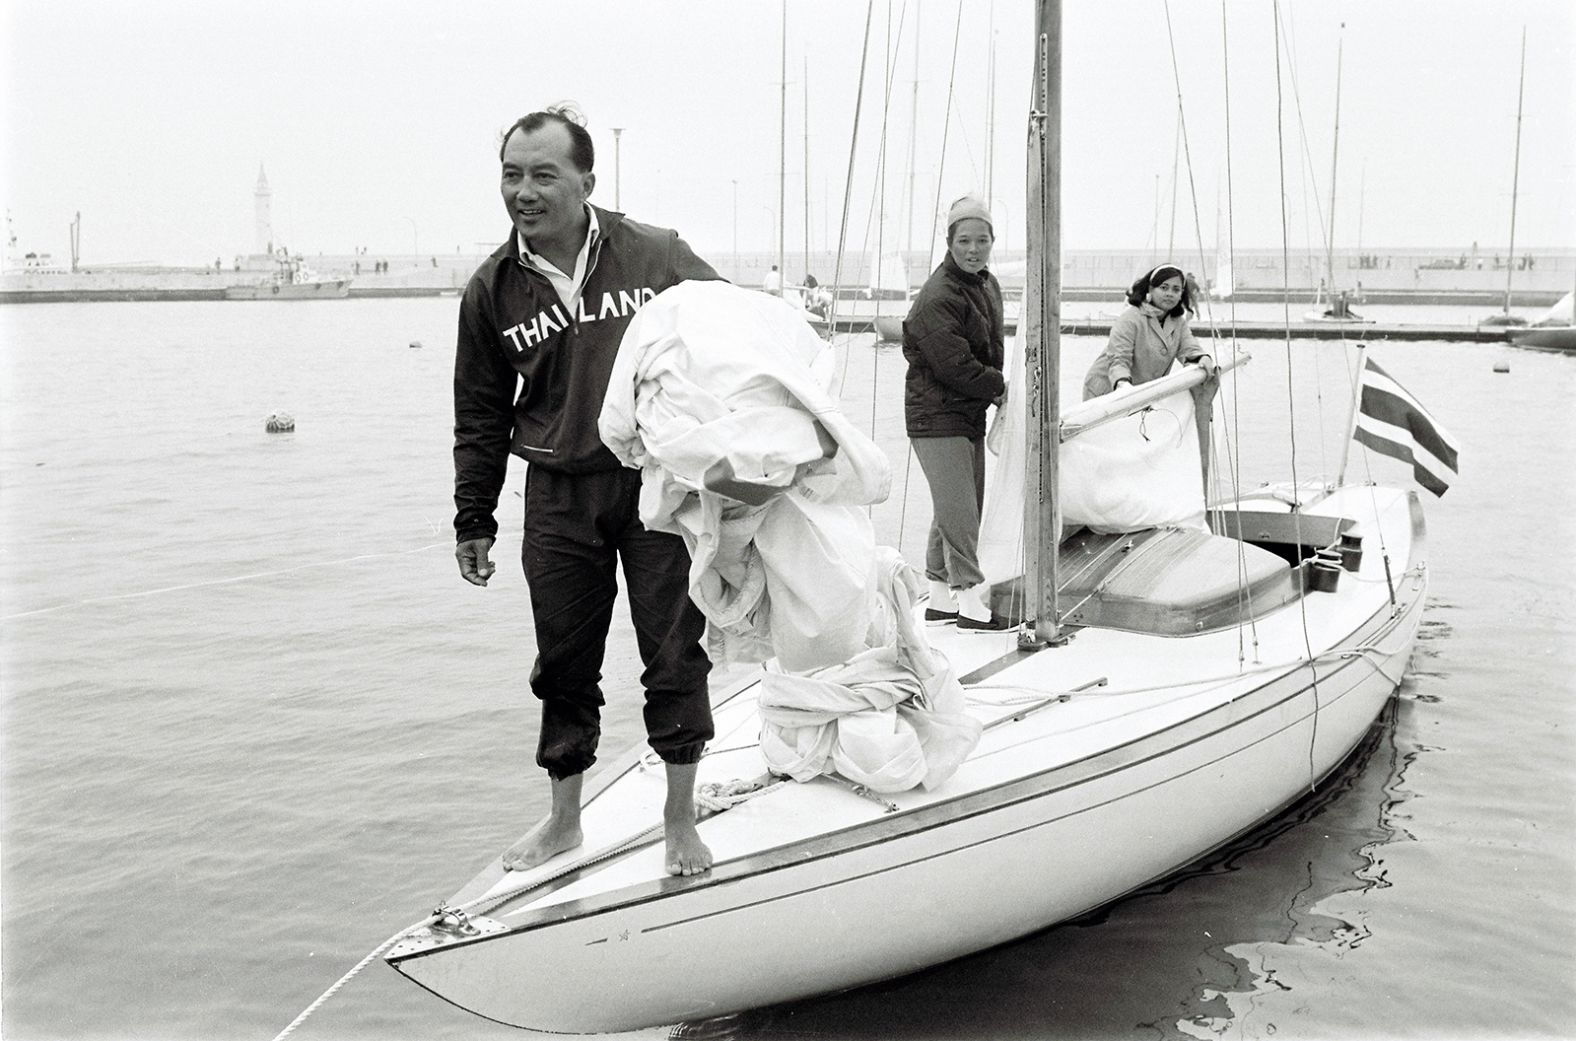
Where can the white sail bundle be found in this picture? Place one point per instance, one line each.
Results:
(719, 396)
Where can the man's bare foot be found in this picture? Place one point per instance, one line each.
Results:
(550, 837)
(554, 833)
(687, 854)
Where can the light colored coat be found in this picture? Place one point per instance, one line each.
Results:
(1141, 349)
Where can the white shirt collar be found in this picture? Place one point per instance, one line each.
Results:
(593, 232)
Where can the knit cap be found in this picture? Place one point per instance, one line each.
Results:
(966, 207)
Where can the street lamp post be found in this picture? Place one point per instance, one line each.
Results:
(618, 132)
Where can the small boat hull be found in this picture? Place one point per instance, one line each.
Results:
(1326, 318)
(1057, 812)
(323, 289)
(1545, 338)
(889, 329)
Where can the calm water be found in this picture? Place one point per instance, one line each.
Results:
(254, 722)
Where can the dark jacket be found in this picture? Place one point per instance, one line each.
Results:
(514, 330)
(952, 340)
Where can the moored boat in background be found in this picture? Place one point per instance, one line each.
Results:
(1545, 337)
(291, 279)
(1554, 331)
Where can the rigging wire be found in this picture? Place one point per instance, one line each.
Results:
(848, 184)
(1231, 436)
(1245, 606)
(935, 219)
(1291, 415)
(878, 209)
(1326, 291)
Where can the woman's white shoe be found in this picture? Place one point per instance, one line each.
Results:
(974, 610)
(943, 606)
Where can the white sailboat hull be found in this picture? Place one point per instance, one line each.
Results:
(817, 889)
(316, 289)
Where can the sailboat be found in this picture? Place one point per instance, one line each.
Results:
(1555, 330)
(1223, 281)
(1505, 319)
(800, 297)
(890, 292)
(1338, 306)
(1119, 734)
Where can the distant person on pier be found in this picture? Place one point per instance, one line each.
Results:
(545, 312)
(773, 282)
(1151, 334)
(953, 343)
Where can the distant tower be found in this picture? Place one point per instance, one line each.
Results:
(261, 197)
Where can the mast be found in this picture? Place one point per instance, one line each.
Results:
(990, 123)
(990, 108)
(1335, 155)
(1362, 195)
(782, 151)
(1351, 416)
(913, 127)
(1515, 176)
(1042, 316)
(807, 168)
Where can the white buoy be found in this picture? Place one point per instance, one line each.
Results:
(1502, 366)
(279, 423)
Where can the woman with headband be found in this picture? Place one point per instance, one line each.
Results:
(1149, 335)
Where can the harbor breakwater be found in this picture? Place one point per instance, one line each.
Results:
(1536, 278)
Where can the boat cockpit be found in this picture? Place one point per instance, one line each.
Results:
(1184, 581)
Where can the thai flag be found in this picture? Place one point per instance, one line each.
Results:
(1391, 421)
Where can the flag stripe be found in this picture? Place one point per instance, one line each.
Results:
(1377, 377)
(1394, 423)
(1399, 412)
(1429, 479)
(1401, 439)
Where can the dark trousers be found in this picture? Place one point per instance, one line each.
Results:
(954, 467)
(577, 527)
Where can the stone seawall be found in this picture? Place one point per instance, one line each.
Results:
(1425, 277)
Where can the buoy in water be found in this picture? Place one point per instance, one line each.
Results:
(279, 423)
(415, 344)
(1502, 366)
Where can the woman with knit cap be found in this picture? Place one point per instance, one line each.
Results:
(952, 341)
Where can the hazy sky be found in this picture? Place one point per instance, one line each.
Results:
(378, 122)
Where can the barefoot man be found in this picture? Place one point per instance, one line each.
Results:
(544, 314)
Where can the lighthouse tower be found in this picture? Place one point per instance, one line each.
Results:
(261, 199)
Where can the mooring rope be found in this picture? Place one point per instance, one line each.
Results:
(713, 798)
